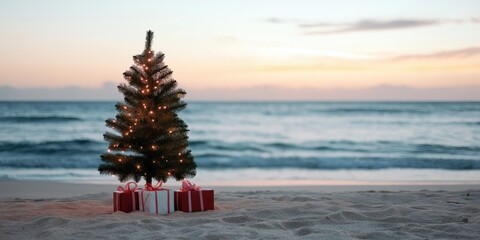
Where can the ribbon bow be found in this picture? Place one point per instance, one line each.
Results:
(127, 187)
(149, 186)
(188, 186)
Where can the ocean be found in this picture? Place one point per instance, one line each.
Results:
(260, 140)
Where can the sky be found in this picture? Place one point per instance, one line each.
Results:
(244, 44)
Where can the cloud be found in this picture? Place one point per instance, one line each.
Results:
(320, 28)
(458, 53)
(368, 25)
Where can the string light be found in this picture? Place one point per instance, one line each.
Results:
(108, 150)
(170, 131)
(138, 166)
(179, 154)
(181, 160)
(164, 107)
(153, 147)
(125, 107)
(153, 120)
(169, 173)
(151, 112)
(120, 160)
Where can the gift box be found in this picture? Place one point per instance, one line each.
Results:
(126, 199)
(191, 198)
(157, 200)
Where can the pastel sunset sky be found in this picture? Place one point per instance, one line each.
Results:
(242, 44)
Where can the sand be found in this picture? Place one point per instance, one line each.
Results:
(283, 213)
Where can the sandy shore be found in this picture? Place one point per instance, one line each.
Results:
(48, 210)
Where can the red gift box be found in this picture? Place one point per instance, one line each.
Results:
(126, 199)
(191, 198)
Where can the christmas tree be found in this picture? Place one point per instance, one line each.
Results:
(151, 140)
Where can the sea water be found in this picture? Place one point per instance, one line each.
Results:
(378, 141)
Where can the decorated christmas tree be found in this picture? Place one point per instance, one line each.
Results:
(150, 139)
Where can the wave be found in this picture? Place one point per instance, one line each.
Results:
(52, 147)
(84, 153)
(39, 119)
(333, 163)
(371, 111)
(217, 161)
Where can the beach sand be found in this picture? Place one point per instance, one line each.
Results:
(49, 210)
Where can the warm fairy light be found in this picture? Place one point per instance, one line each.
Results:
(166, 160)
(153, 147)
(135, 124)
(153, 120)
(136, 119)
(131, 130)
(155, 87)
(164, 107)
(179, 154)
(125, 107)
(126, 133)
(181, 160)
(113, 175)
(108, 150)
(151, 112)
(149, 59)
(170, 131)
(141, 147)
(154, 161)
(159, 108)
(138, 166)
(143, 91)
(169, 173)
(120, 160)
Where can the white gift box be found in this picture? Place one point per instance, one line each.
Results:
(158, 202)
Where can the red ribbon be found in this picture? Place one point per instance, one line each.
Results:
(188, 186)
(127, 187)
(149, 186)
